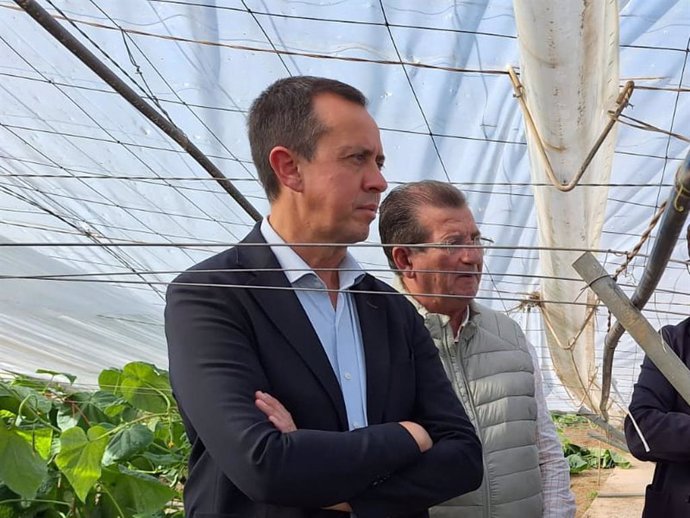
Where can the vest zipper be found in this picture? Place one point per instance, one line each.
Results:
(456, 363)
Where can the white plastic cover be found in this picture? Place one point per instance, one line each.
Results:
(79, 165)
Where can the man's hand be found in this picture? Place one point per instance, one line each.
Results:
(419, 434)
(275, 411)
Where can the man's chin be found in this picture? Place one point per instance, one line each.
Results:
(360, 233)
(466, 292)
(352, 238)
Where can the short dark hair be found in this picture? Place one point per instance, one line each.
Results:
(398, 218)
(283, 115)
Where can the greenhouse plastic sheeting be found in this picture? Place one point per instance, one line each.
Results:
(80, 166)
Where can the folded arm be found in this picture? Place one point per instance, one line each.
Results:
(452, 466)
(281, 418)
(215, 371)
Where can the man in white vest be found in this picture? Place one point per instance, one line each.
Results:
(494, 370)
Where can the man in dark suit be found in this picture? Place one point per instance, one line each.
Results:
(288, 313)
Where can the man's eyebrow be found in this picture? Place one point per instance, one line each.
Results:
(361, 149)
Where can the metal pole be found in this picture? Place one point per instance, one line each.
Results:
(51, 25)
(673, 219)
(596, 277)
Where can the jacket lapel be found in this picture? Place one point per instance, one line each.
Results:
(275, 296)
(373, 321)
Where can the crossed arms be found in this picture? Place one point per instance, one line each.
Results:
(217, 364)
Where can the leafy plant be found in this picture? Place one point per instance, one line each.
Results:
(119, 451)
(581, 458)
(564, 420)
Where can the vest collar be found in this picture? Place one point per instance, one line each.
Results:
(437, 323)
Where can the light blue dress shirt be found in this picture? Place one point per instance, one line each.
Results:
(337, 328)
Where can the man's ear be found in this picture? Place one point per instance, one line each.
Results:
(402, 258)
(285, 164)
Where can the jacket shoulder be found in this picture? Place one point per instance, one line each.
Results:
(390, 297)
(210, 267)
(371, 283)
(225, 266)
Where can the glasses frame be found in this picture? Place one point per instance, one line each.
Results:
(477, 243)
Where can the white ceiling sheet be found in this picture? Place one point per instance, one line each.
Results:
(204, 62)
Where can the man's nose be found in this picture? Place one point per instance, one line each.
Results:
(472, 254)
(374, 180)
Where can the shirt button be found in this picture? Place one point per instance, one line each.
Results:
(357, 424)
(348, 376)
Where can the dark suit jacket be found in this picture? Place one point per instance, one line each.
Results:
(234, 328)
(664, 419)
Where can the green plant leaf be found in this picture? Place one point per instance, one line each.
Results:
(80, 457)
(570, 448)
(75, 478)
(109, 380)
(134, 493)
(85, 409)
(39, 438)
(116, 409)
(620, 460)
(145, 387)
(563, 420)
(171, 433)
(47, 501)
(12, 397)
(66, 418)
(21, 468)
(127, 443)
(577, 463)
(163, 460)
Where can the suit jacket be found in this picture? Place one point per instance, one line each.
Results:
(664, 419)
(234, 326)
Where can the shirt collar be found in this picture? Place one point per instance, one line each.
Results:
(296, 268)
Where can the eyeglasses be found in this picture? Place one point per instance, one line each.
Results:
(456, 244)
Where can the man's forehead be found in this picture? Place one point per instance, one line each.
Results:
(330, 107)
(447, 216)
